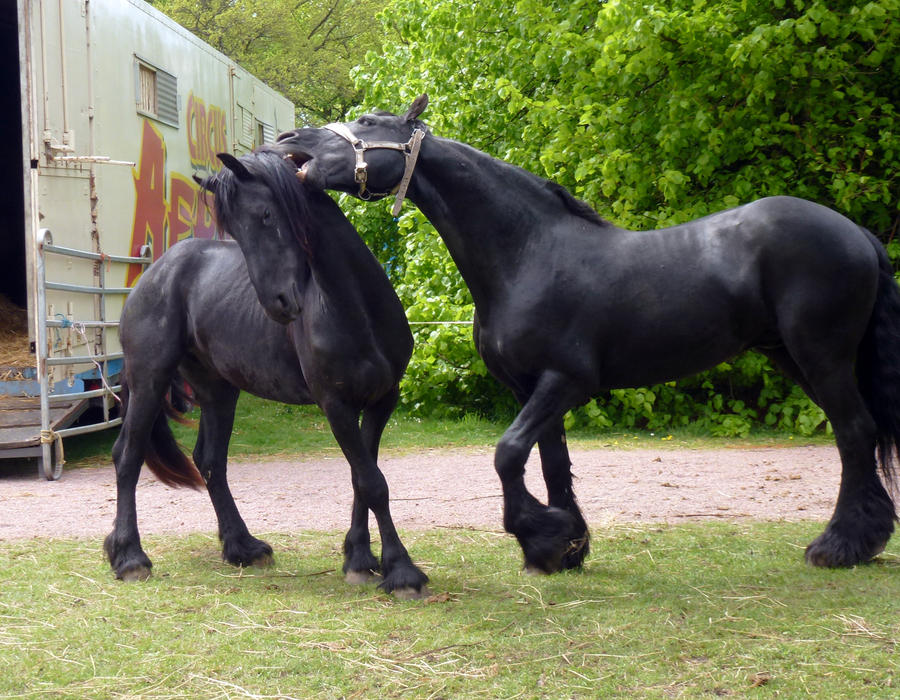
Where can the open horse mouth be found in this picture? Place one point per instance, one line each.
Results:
(301, 160)
(297, 157)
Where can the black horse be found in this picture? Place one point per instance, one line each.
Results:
(569, 306)
(323, 326)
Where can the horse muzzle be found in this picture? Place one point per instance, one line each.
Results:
(284, 307)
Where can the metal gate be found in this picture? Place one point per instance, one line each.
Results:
(52, 455)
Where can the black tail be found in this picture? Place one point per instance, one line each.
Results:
(164, 457)
(878, 366)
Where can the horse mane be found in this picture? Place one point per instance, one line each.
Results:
(556, 191)
(576, 206)
(279, 175)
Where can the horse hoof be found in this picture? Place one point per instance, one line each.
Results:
(575, 554)
(360, 578)
(138, 573)
(410, 593)
(533, 570)
(263, 560)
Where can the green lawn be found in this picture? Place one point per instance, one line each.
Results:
(699, 610)
(695, 610)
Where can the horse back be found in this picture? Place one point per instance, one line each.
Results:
(663, 304)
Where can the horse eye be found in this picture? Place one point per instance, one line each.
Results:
(267, 215)
(366, 121)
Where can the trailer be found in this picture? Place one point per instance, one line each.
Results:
(110, 109)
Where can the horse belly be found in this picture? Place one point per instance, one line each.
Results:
(662, 359)
(266, 366)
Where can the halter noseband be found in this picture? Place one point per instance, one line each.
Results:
(410, 150)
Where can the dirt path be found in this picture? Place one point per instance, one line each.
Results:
(441, 488)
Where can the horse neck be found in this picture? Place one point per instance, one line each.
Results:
(487, 222)
(340, 263)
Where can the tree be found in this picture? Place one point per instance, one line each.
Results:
(657, 114)
(303, 48)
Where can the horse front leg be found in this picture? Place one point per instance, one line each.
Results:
(370, 491)
(239, 547)
(557, 470)
(544, 532)
(360, 564)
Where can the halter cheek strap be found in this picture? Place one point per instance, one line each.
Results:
(410, 151)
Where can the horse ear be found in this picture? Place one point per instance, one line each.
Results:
(235, 166)
(416, 108)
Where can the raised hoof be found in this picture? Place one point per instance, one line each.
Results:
(137, 573)
(360, 578)
(544, 537)
(410, 593)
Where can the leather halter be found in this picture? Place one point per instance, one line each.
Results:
(410, 150)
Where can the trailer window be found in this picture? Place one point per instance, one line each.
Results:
(147, 87)
(265, 133)
(156, 92)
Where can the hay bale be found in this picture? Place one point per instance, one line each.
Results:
(15, 352)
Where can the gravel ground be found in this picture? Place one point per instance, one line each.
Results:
(440, 488)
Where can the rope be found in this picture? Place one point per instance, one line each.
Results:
(82, 331)
(48, 437)
(440, 323)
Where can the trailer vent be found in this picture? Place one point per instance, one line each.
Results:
(156, 92)
(246, 127)
(265, 133)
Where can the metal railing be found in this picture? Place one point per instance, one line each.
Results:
(52, 468)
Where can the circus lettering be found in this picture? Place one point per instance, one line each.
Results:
(206, 133)
(170, 209)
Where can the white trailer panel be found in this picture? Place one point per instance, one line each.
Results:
(117, 108)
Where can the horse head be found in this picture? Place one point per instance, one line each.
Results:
(261, 205)
(369, 157)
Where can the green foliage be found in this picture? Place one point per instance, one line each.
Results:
(302, 48)
(655, 114)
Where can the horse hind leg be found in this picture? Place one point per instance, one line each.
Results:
(863, 518)
(217, 406)
(144, 406)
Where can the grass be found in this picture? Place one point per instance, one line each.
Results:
(698, 610)
(694, 610)
(268, 429)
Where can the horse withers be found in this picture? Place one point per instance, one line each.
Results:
(297, 310)
(569, 306)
